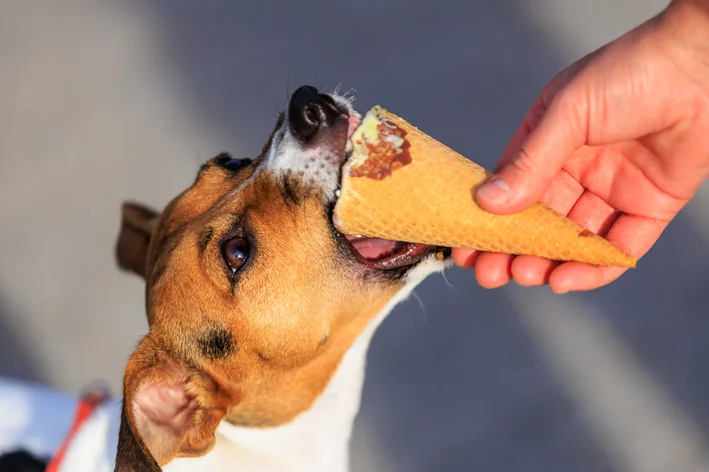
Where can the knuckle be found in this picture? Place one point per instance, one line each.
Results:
(535, 114)
(524, 162)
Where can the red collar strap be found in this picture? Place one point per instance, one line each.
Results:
(88, 402)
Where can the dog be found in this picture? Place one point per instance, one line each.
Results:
(260, 312)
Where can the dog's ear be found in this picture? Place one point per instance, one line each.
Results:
(169, 410)
(137, 225)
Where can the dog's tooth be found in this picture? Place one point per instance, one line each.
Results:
(349, 147)
(337, 193)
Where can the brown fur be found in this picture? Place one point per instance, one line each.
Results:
(277, 333)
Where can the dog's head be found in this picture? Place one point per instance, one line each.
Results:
(253, 296)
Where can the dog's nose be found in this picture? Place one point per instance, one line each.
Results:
(309, 111)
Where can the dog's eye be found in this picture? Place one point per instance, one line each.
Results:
(235, 252)
(225, 160)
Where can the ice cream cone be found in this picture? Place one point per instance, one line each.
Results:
(401, 184)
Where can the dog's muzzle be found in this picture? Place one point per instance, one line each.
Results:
(311, 144)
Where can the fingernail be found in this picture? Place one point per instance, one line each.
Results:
(495, 191)
(560, 290)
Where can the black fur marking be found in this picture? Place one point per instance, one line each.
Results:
(158, 272)
(217, 344)
(234, 165)
(203, 167)
(222, 157)
(204, 238)
(291, 190)
(220, 160)
(168, 244)
(263, 357)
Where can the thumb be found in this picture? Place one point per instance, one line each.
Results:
(523, 178)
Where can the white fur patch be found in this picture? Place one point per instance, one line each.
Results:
(316, 167)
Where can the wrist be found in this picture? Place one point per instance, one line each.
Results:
(683, 29)
(686, 21)
(698, 6)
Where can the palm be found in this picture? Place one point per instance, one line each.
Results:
(600, 182)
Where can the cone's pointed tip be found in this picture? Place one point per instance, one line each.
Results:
(624, 260)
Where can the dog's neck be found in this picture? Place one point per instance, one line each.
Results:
(318, 439)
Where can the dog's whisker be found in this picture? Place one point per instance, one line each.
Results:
(276, 113)
(287, 89)
(349, 95)
(424, 312)
(449, 284)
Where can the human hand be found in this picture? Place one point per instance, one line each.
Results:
(619, 142)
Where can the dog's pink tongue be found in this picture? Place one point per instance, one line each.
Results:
(373, 249)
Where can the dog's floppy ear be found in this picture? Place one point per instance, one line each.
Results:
(169, 410)
(137, 225)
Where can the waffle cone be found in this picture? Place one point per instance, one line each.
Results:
(429, 200)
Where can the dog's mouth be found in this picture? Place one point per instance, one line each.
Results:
(383, 254)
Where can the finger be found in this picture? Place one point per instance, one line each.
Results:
(591, 212)
(529, 123)
(536, 153)
(536, 112)
(464, 258)
(522, 180)
(532, 271)
(634, 234)
(599, 169)
(594, 214)
(562, 195)
(492, 270)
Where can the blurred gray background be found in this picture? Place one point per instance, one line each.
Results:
(102, 101)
